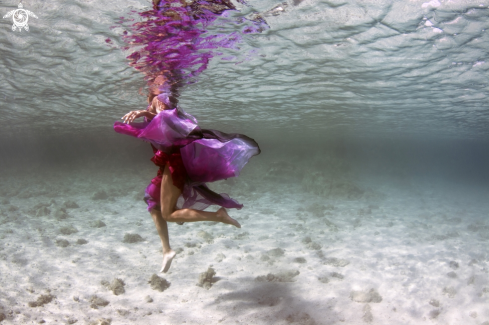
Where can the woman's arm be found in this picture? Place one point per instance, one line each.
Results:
(132, 115)
(153, 110)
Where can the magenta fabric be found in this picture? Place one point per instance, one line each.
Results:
(207, 155)
(209, 160)
(175, 165)
(177, 171)
(166, 130)
(173, 39)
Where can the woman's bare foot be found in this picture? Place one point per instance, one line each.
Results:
(225, 218)
(167, 258)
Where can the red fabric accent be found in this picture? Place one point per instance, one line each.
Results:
(176, 166)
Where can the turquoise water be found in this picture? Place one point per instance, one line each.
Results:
(373, 182)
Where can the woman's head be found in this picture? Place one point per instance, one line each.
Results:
(166, 91)
(158, 105)
(166, 98)
(152, 93)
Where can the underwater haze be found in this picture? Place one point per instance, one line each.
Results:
(369, 202)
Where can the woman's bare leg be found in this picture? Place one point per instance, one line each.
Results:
(162, 228)
(169, 197)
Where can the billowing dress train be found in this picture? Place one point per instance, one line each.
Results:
(195, 156)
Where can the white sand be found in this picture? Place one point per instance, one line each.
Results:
(399, 237)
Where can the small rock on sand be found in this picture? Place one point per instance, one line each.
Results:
(330, 225)
(301, 318)
(314, 246)
(449, 291)
(206, 279)
(276, 252)
(123, 312)
(434, 303)
(434, 313)
(41, 300)
(100, 195)
(70, 205)
(337, 275)
(102, 321)
(220, 257)
(264, 258)
(338, 262)
(43, 211)
(96, 302)
(206, 236)
(242, 235)
(132, 238)
(452, 275)
(60, 214)
(366, 296)
(68, 230)
(158, 283)
(454, 265)
(97, 224)
(81, 241)
(306, 240)
(62, 243)
(323, 279)
(116, 286)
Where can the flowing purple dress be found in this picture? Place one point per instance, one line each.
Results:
(172, 46)
(194, 155)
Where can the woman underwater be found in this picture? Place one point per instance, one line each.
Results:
(175, 47)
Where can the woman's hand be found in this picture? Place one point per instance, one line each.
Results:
(132, 115)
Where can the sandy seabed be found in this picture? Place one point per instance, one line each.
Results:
(321, 246)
